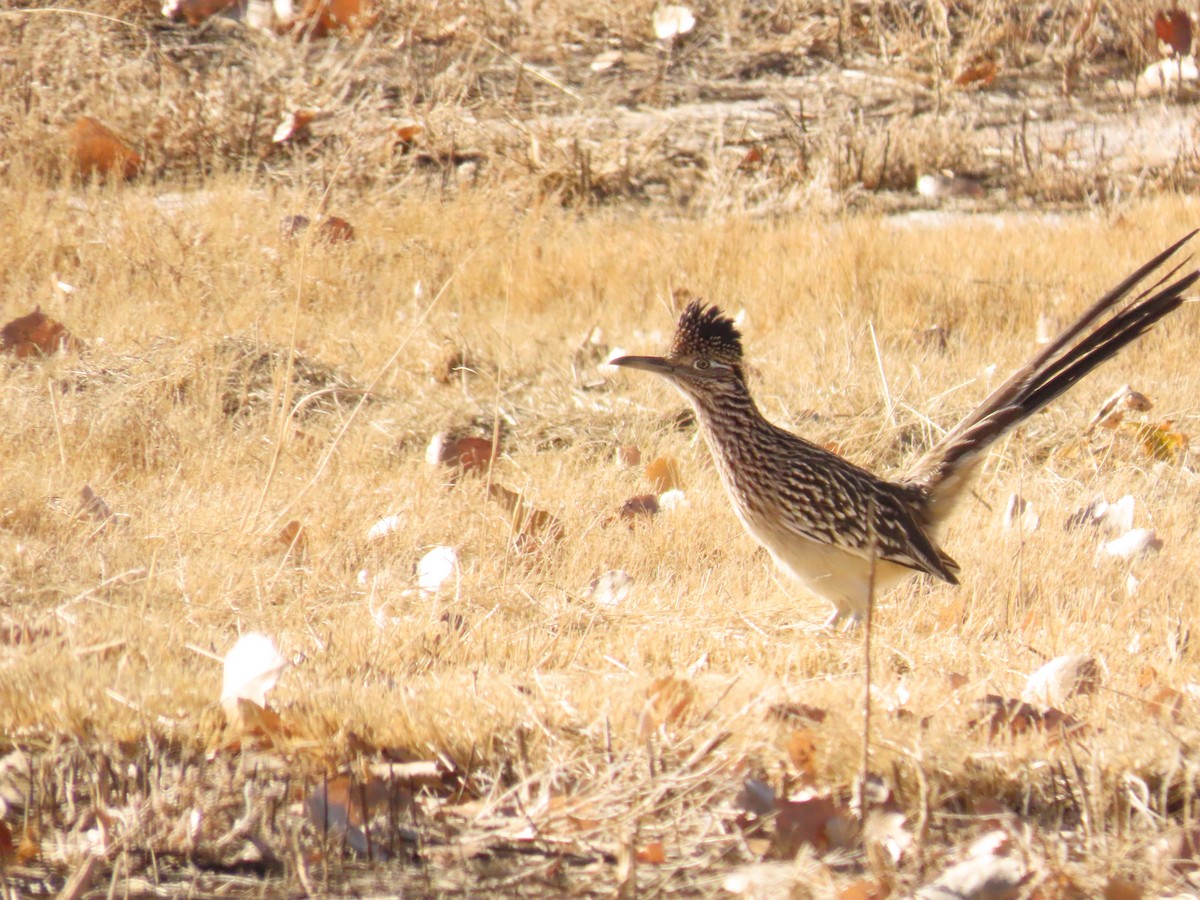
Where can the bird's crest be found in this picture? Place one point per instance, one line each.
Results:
(705, 330)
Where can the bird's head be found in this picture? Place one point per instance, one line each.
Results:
(705, 356)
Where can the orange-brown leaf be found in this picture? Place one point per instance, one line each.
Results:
(640, 506)
(532, 528)
(470, 454)
(802, 751)
(1160, 442)
(196, 11)
(664, 475)
(981, 73)
(654, 853)
(669, 698)
(294, 535)
(96, 150)
(1174, 28)
(36, 334)
(335, 231)
(324, 16)
(817, 822)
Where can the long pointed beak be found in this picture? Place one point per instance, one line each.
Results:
(656, 364)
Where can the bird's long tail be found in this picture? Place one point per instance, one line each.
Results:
(943, 472)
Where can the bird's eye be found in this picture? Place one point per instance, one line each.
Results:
(701, 364)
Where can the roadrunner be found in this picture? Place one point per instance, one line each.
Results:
(823, 518)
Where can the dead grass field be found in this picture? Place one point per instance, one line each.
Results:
(518, 736)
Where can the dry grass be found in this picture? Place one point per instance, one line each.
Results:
(234, 381)
(513, 676)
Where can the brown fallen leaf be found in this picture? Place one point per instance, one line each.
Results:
(346, 807)
(195, 11)
(641, 506)
(471, 455)
(36, 334)
(668, 700)
(334, 230)
(1061, 679)
(1160, 442)
(1013, 717)
(1165, 703)
(407, 132)
(979, 74)
(294, 126)
(864, 889)
(628, 456)
(247, 719)
(1117, 888)
(817, 822)
(1124, 399)
(531, 528)
(96, 150)
(654, 853)
(1174, 28)
(320, 17)
(802, 751)
(294, 536)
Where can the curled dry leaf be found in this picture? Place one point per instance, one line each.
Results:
(294, 536)
(291, 227)
(672, 21)
(1019, 513)
(609, 589)
(802, 751)
(1174, 28)
(467, 454)
(1112, 411)
(983, 877)
(385, 526)
(886, 836)
(642, 506)
(361, 812)
(334, 230)
(250, 719)
(97, 150)
(628, 456)
(606, 60)
(252, 667)
(1133, 544)
(436, 568)
(323, 16)
(941, 185)
(664, 475)
(979, 74)
(1160, 442)
(294, 126)
(654, 853)
(1166, 703)
(194, 11)
(667, 702)
(93, 505)
(1000, 715)
(531, 528)
(407, 131)
(818, 822)
(672, 500)
(1061, 679)
(36, 334)
(1113, 518)
(1165, 74)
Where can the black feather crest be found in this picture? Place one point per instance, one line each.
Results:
(705, 330)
